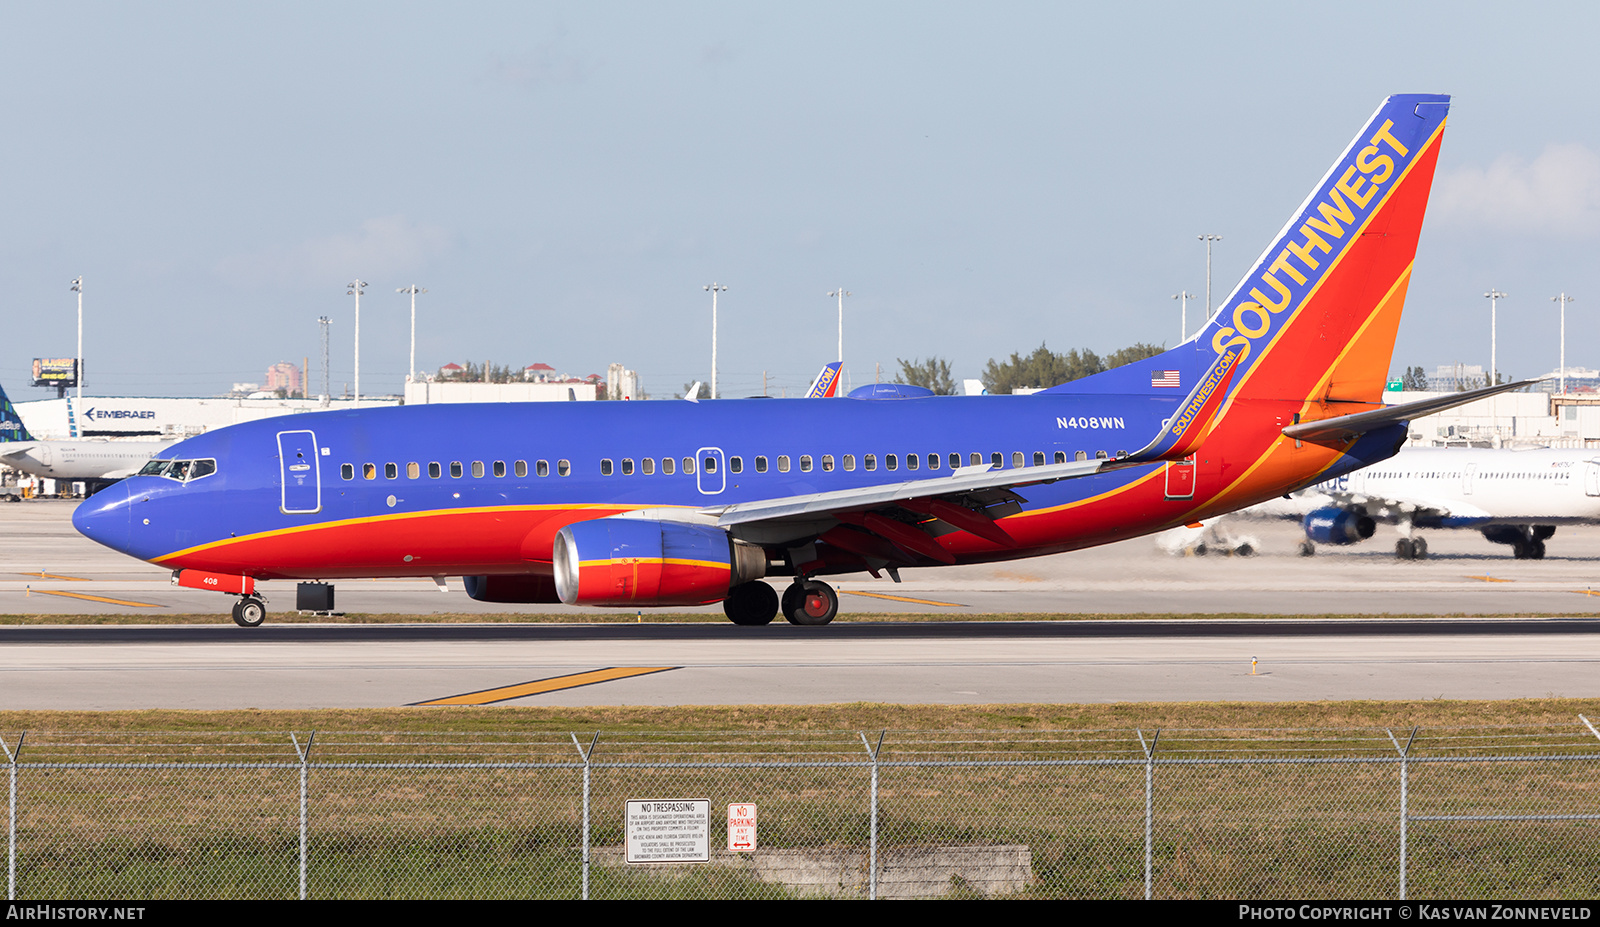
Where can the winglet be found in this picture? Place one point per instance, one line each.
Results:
(1188, 427)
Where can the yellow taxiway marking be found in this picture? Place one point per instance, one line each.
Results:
(1587, 591)
(1491, 579)
(98, 598)
(74, 579)
(553, 684)
(901, 598)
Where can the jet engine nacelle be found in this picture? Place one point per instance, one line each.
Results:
(633, 561)
(1338, 526)
(522, 589)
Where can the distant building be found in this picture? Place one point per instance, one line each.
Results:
(539, 373)
(450, 371)
(621, 383)
(286, 377)
(1579, 380)
(1453, 378)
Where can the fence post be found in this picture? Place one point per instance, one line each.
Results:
(11, 818)
(1149, 805)
(586, 754)
(305, 758)
(872, 817)
(1405, 799)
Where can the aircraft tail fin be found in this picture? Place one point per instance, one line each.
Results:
(11, 427)
(1315, 318)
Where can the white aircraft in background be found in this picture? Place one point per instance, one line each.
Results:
(90, 461)
(1513, 496)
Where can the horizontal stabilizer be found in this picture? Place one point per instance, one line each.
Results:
(1344, 427)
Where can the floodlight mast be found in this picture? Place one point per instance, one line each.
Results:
(1209, 240)
(77, 374)
(1563, 299)
(324, 321)
(1493, 296)
(355, 288)
(714, 288)
(413, 289)
(1183, 296)
(841, 293)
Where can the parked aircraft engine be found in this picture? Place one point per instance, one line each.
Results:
(1330, 525)
(522, 588)
(633, 561)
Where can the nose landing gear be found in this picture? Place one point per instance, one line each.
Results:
(249, 611)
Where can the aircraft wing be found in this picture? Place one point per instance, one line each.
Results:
(967, 479)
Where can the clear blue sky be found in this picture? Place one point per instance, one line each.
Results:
(564, 178)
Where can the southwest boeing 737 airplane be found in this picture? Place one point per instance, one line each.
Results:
(641, 504)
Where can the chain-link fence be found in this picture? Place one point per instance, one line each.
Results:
(1458, 813)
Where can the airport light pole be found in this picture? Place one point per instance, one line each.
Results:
(1563, 299)
(77, 287)
(356, 286)
(1494, 296)
(413, 289)
(1209, 240)
(841, 292)
(324, 321)
(714, 288)
(1184, 296)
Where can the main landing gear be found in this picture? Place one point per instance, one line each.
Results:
(806, 601)
(249, 611)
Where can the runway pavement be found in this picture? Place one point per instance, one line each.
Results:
(220, 666)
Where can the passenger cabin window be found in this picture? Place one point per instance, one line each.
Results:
(1101, 455)
(933, 461)
(668, 465)
(1061, 457)
(891, 462)
(433, 471)
(521, 468)
(710, 464)
(736, 464)
(827, 463)
(997, 459)
(369, 471)
(477, 469)
(761, 464)
(499, 468)
(1016, 458)
(911, 461)
(1038, 458)
(1081, 455)
(455, 470)
(563, 468)
(849, 462)
(413, 470)
(688, 466)
(870, 461)
(783, 463)
(955, 461)
(605, 467)
(647, 466)
(542, 468)
(391, 471)
(805, 463)
(346, 471)
(627, 466)
(976, 459)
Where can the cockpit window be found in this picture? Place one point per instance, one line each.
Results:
(180, 470)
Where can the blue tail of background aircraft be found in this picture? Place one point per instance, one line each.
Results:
(11, 427)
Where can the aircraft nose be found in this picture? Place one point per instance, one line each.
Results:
(107, 517)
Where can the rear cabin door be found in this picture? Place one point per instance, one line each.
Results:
(1180, 478)
(300, 471)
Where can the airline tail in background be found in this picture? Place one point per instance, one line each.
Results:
(826, 385)
(11, 427)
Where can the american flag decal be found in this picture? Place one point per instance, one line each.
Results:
(1164, 378)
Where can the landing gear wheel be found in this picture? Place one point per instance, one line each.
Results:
(1419, 547)
(1405, 549)
(752, 603)
(1521, 550)
(1536, 550)
(1308, 549)
(249, 612)
(810, 602)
